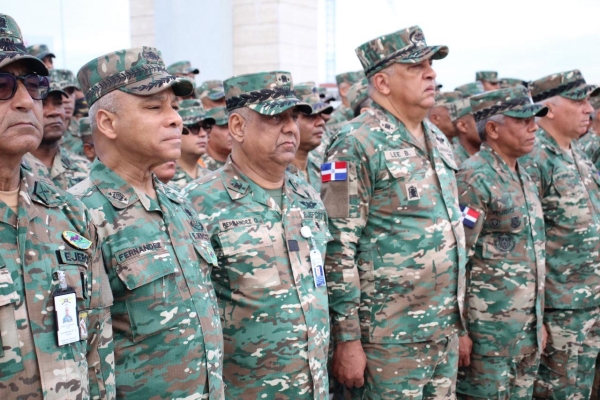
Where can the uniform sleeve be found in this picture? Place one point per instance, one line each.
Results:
(347, 204)
(472, 195)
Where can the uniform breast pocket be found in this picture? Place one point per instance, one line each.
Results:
(249, 257)
(410, 183)
(10, 350)
(569, 197)
(154, 303)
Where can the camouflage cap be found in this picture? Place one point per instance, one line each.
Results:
(458, 109)
(64, 78)
(442, 98)
(194, 115)
(488, 76)
(470, 89)
(182, 67)
(56, 87)
(595, 102)
(569, 84)
(513, 102)
(85, 129)
(212, 89)
(405, 46)
(40, 51)
(309, 94)
(349, 77)
(509, 82)
(138, 71)
(325, 95)
(219, 114)
(358, 93)
(12, 48)
(190, 103)
(267, 93)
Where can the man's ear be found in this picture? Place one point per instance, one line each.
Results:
(550, 106)
(237, 126)
(461, 125)
(491, 130)
(106, 121)
(343, 89)
(381, 83)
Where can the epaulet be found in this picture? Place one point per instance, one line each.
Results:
(48, 194)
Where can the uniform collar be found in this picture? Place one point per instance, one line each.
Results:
(545, 139)
(498, 164)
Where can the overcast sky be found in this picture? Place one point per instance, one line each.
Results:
(519, 38)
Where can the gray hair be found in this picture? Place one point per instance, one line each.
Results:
(498, 118)
(107, 102)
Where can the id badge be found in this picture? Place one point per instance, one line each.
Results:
(316, 262)
(67, 319)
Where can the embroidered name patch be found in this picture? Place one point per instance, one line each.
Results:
(138, 250)
(235, 223)
(400, 154)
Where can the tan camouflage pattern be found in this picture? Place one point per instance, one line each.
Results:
(182, 67)
(12, 47)
(263, 277)
(210, 163)
(214, 90)
(68, 169)
(404, 46)
(64, 78)
(510, 82)
(32, 250)
(167, 332)
(350, 77)
(489, 76)
(513, 102)
(181, 178)
(358, 92)
(569, 84)
(219, 114)
(312, 175)
(470, 89)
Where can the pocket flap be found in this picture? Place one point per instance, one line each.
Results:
(244, 238)
(8, 292)
(144, 269)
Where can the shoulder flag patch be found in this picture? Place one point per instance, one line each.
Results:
(334, 171)
(469, 216)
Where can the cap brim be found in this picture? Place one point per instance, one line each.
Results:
(194, 71)
(159, 82)
(425, 53)
(527, 111)
(44, 55)
(274, 107)
(37, 65)
(59, 91)
(321, 108)
(582, 92)
(216, 96)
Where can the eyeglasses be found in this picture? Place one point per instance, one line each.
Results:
(37, 86)
(195, 129)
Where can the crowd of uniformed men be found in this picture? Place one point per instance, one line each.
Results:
(243, 240)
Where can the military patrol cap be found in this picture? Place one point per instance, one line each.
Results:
(12, 48)
(55, 86)
(267, 93)
(85, 129)
(324, 94)
(442, 98)
(513, 102)
(40, 51)
(508, 82)
(349, 77)
(194, 115)
(190, 103)
(488, 76)
(182, 67)
(458, 109)
(470, 89)
(310, 94)
(219, 114)
(595, 102)
(358, 93)
(406, 46)
(64, 78)
(212, 89)
(138, 71)
(569, 84)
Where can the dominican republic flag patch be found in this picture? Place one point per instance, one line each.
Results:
(469, 216)
(334, 171)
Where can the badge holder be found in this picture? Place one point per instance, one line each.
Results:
(65, 312)
(316, 260)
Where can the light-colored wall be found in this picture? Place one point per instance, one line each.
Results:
(141, 23)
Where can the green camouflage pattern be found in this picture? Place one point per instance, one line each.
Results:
(460, 153)
(442, 98)
(140, 71)
(182, 67)
(513, 102)
(568, 185)
(310, 95)
(12, 47)
(214, 90)
(325, 95)
(504, 300)
(210, 163)
(488, 76)
(85, 129)
(396, 264)
(406, 46)
(167, 331)
(589, 144)
(68, 169)
(350, 77)
(312, 176)
(71, 140)
(187, 103)
(498, 377)
(40, 51)
(192, 115)
(339, 117)
(64, 78)
(358, 92)
(510, 82)
(458, 109)
(267, 93)
(219, 114)
(32, 250)
(181, 178)
(569, 84)
(264, 279)
(470, 89)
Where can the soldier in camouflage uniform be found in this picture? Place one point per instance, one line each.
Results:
(47, 240)
(42, 53)
(183, 69)
(64, 168)
(66, 80)
(358, 97)
(440, 116)
(312, 128)
(489, 80)
(510, 82)
(589, 143)
(219, 140)
(85, 129)
(167, 331)
(569, 187)
(504, 230)
(396, 264)
(343, 113)
(467, 142)
(211, 94)
(196, 128)
(269, 229)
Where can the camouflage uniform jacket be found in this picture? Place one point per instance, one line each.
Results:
(460, 154)
(275, 321)
(339, 116)
(313, 173)
(72, 139)
(165, 314)
(68, 169)
(181, 179)
(590, 146)
(506, 268)
(569, 188)
(396, 264)
(210, 163)
(32, 250)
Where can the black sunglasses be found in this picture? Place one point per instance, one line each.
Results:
(195, 129)
(37, 86)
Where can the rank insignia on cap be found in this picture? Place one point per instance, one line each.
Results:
(469, 216)
(76, 240)
(334, 171)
